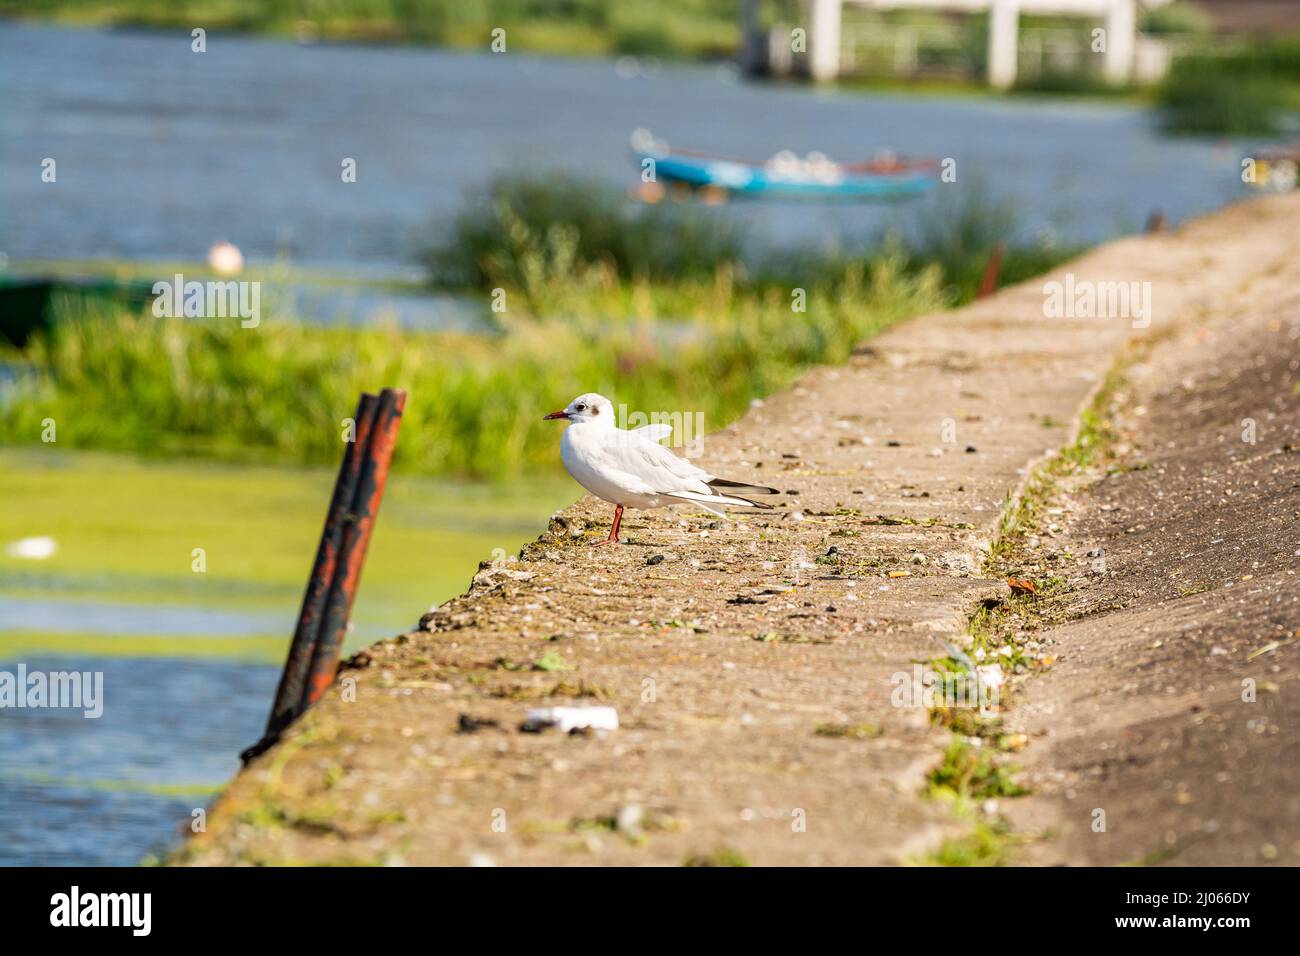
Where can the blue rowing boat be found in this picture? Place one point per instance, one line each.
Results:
(786, 176)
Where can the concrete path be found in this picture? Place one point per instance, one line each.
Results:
(1168, 729)
(751, 661)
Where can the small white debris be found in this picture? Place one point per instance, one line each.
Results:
(630, 819)
(990, 675)
(566, 719)
(34, 549)
(918, 558)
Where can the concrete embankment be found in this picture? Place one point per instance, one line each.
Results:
(752, 661)
(1167, 730)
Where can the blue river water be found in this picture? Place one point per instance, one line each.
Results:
(161, 151)
(107, 791)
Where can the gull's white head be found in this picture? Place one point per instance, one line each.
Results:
(587, 408)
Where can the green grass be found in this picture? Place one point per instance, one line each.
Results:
(526, 224)
(849, 731)
(967, 776)
(1155, 857)
(1177, 18)
(1092, 447)
(280, 392)
(551, 661)
(525, 227)
(987, 844)
(723, 856)
(969, 772)
(668, 28)
(1245, 92)
(1199, 98)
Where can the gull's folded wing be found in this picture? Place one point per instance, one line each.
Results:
(656, 432)
(636, 462)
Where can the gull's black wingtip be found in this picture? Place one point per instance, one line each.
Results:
(738, 486)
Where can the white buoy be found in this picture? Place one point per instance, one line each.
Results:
(225, 259)
(32, 549)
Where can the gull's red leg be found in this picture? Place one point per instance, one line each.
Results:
(613, 532)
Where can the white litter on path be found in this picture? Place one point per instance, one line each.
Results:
(991, 675)
(566, 719)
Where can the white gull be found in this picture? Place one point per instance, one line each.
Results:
(630, 469)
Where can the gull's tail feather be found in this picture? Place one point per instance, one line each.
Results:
(713, 502)
(739, 486)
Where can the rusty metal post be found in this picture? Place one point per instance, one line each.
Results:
(338, 541)
(352, 551)
(989, 281)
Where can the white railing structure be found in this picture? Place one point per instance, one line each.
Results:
(942, 49)
(904, 49)
(826, 48)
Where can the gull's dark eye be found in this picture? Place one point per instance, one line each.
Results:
(579, 407)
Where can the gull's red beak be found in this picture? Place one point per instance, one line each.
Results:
(556, 415)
